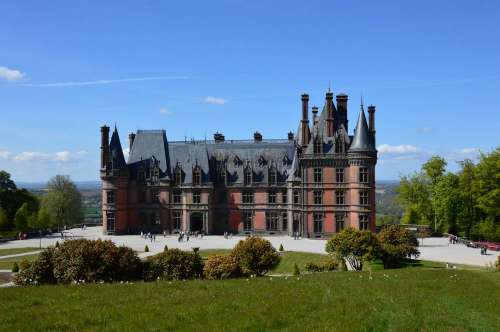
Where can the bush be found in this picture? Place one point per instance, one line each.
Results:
(281, 247)
(165, 248)
(15, 267)
(296, 271)
(40, 271)
(173, 264)
(329, 265)
(498, 264)
(255, 255)
(146, 248)
(221, 267)
(24, 264)
(396, 244)
(354, 245)
(313, 267)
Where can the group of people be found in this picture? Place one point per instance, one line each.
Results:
(458, 240)
(296, 235)
(148, 235)
(228, 235)
(187, 235)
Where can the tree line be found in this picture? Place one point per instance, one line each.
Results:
(465, 203)
(21, 211)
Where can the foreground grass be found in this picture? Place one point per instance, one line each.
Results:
(408, 299)
(7, 263)
(14, 251)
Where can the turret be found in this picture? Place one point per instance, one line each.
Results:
(304, 123)
(363, 139)
(104, 146)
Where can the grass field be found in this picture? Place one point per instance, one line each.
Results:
(14, 251)
(405, 299)
(7, 263)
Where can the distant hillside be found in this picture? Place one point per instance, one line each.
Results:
(82, 185)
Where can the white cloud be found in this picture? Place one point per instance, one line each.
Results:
(101, 82)
(11, 74)
(60, 156)
(468, 151)
(165, 111)
(425, 130)
(4, 154)
(397, 149)
(215, 100)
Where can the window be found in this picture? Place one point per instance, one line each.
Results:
(247, 177)
(178, 176)
(339, 175)
(317, 147)
(364, 222)
(363, 197)
(247, 221)
(110, 221)
(247, 197)
(284, 197)
(196, 197)
(155, 174)
(222, 197)
(318, 197)
(284, 221)
(296, 197)
(158, 221)
(340, 197)
(222, 176)
(339, 146)
(197, 176)
(177, 197)
(318, 175)
(363, 174)
(339, 222)
(110, 197)
(141, 196)
(177, 219)
(271, 221)
(318, 223)
(271, 197)
(155, 196)
(272, 176)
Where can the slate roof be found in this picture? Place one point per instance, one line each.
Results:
(363, 138)
(116, 151)
(149, 143)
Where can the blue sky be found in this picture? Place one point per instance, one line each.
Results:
(195, 67)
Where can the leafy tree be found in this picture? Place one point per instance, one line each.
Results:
(447, 202)
(21, 218)
(467, 216)
(434, 168)
(4, 220)
(44, 219)
(396, 244)
(11, 198)
(354, 245)
(63, 201)
(414, 195)
(6, 184)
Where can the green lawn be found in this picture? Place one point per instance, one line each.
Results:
(391, 300)
(13, 251)
(7, 263)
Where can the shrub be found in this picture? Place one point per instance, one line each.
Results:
(313, 267)
(15, 267)
(173, 264)
(24, 264)
(40, 271)
(296, 271)
(396, 244)
(255, 255)
(146, 248)
(281, 247)
(221, 267)
(354, 245)
(329, 265)
(498, 263)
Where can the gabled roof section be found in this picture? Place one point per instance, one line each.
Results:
(116, 151)
(363, 138)
(150, 143)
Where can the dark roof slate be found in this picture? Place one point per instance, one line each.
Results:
(363, 138)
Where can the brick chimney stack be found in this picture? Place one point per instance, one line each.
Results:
(315, 114)
(371, 118)
(104, 146)
(342, 109)
(290, 136)
(257, 137)
(305, 119)
(329, 113)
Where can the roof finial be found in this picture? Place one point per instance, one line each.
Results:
(361, 101)
(329, 85)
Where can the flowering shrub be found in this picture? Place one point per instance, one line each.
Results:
(173, 264)
(255, 255)
(40, 271)
(396, 244)
(221, 267)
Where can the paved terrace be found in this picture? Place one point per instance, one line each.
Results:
(434, 249)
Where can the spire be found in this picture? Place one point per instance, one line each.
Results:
(362, 140)
(116, 151)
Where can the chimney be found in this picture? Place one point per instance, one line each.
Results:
(315, 114)
(342, 109)
(371, 118)
(257, 137)
(218, 137)
(329, 113)
(305, 120)
(131, 138)
(104, 146)
(290, 136)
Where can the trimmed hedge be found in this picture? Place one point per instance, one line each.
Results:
(221, 267)
(173, 264)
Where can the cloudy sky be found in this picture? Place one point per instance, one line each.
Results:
(193, 68)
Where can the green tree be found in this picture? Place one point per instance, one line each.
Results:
(396, 244)
(44, 219)
(434, 168)
(467, 216)
(63, 201)
(4, 220)
(21, 218)
(354, 245)
(11, 198)
(446, 198)
(414, 196)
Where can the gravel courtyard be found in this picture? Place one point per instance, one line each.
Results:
(434, 249)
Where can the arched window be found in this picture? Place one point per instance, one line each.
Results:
(247, 176)
(197, 176)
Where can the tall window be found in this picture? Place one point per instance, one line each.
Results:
(141, 196)
(110, 197)
(318, 197)
(271, 197)
(339, 175)
(317, 147)
(196, 197)
(296, 197)
(284, 197)
(155, 196)
(273, 176)
(222, 176)
(364, 222)
(363, 175)
(339, 222)
(339, 146)
(110, 221)
(178, 176)
(247, 221)
(247, 197)
(247, 177)
(318, 175)
(340, 197)
(271, 221)
(177, 197)
(363, 197)
(318, 223)
(284, 221)
(177, 219)
(197, 176)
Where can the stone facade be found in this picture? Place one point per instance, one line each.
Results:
(313, 183)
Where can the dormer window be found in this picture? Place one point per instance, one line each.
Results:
(317, 146)
(197, 176)
(237, 161)
(262, 161)
(273, 176)
(178, 176)
(339, 146)
(247, 176)
(222, 176)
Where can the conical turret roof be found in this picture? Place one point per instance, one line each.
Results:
(116, 151)
(363, 138)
